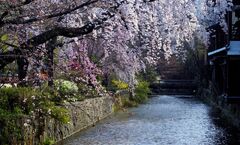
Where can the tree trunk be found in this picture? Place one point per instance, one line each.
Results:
(50, 60)
(22, 63)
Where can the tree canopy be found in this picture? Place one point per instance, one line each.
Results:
(101, 36)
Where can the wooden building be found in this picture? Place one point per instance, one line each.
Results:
(224, 56)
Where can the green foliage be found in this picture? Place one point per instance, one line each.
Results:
(9, 126)
(70, 91)
(10, 69)
(66, 87)
(119, 85)
(141, 95)
(60, 113)
(24, 107)
(49, 141)
(4, 47)
(4, 37)
(13, 97)
(11, 111)
(86, 91)
(126, 102)
(123, 101)
(116, 85)
(141, 91)
(148, 75)
(19, 104)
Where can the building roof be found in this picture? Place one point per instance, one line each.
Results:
(234, 48)
(217, 51)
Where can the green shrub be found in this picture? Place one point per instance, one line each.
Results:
(119, 85)
(12, 110)
(86, 91)
(148, 75)
(49, 141)
(141, 95)
(123, 101)
(14, 97)
(141, 91)
(66, 87)
(60, 114)
(126, 102)
(19, 104)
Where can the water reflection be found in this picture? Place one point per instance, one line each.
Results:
(164, 120)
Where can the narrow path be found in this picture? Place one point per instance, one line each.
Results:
(164, 120)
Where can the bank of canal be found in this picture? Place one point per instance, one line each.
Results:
(164, 120)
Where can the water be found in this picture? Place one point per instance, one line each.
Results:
(164, 120)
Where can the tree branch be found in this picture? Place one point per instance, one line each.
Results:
(34, 19)
(30, 44)
(10, 56)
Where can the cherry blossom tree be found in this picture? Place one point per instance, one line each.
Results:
(124, 34)
(82, 40)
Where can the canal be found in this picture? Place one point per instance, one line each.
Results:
(164, 120)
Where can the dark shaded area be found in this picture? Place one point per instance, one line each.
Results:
(232, 134)
(234, 78)
(174, 87)
(224, 58)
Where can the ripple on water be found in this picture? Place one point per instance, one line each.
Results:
(164, 120)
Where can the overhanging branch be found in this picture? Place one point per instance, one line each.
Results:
(17, 21)
(28, 47)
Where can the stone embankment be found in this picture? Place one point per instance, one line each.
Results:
(82, 115)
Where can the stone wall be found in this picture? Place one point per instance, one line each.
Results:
(83, 114)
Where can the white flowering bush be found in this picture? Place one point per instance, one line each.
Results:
(66, 87)
(6, 86)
